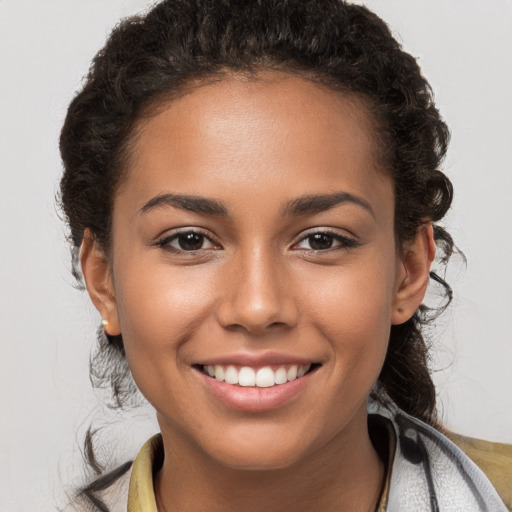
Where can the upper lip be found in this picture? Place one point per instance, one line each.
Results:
(255, 359)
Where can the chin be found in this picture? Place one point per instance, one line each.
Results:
(260, 452)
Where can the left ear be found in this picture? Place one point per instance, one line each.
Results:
(413, 274)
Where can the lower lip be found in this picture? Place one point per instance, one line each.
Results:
(254, 399)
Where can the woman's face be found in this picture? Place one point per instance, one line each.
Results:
(254, 231)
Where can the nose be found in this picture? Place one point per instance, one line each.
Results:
(256, 296)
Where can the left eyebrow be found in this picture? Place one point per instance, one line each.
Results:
(312, 204)
(194, 204)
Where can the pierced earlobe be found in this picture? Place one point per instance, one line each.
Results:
(98, 281)
(109, 336)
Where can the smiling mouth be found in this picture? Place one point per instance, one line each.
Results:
(263, 377)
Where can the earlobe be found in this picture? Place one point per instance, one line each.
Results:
(98, 281)
(413, 274)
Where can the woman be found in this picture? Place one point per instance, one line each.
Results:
(251, 189)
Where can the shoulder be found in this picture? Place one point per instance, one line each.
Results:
(494, 459)
(429, 472)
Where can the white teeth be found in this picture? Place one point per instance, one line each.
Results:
(280, 376)
(262, 378)
(265, 377)
(231, 375)
(219, 372)
(302, 370)
(291, 374)
(246, 377)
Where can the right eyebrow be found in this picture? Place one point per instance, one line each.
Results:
(311, 204)
(196, 204)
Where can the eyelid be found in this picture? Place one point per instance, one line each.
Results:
(167, 237)
(346, 241)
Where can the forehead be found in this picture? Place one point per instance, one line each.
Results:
(272, 132)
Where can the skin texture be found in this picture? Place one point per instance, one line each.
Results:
(255, 286)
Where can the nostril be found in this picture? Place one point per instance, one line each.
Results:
(277, 324)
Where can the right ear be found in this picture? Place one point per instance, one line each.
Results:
(98, 281)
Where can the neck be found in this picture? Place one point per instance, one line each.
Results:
(345, 474)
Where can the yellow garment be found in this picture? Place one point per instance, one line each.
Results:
(494, 459)
(141, 496)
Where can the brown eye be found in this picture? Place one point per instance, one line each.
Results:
(190, 241)
(325, 241)
(320, 241)
(187, 241)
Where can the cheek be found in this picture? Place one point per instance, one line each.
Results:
(159, 311)
(353, 311)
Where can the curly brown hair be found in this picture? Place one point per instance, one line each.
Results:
(157, 56)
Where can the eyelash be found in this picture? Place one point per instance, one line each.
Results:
(344, 242)
(165, 242)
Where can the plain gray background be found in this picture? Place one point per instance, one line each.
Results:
(47, 327)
